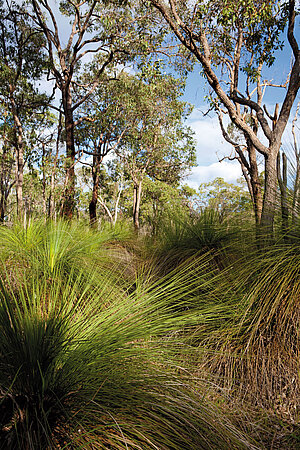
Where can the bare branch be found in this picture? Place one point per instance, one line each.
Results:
(291, 36)
(73, 32)
(259, 112)
(236, 146)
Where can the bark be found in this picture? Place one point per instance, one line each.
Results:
(282, 181)
(198, 44)
(105, 207)
(52, 182)
(68, 57)
(19, 146)
(94, 199)
(255, 185)
(5, 182)
(269, 200)
(3, 205)
(137, 192)
(120, 189)
(249, 169)
(44, 182)
(19, 165)
(69, 195)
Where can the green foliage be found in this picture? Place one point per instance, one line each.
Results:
(141, 120)
(93, 343)
(55, 248)
(181, 237)
(161, 200)
(260, 21)
(230, 200)
(22, 61)
(84, 367)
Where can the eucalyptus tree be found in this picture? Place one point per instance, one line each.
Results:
(140, 119)
(7, 164)
(107, 119)
(162, 201)
(45, 145)
(230, 200)
(22, 62)
(157, 143)
(101, 33)
(233, 42)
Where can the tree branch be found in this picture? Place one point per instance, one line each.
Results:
(96, 82)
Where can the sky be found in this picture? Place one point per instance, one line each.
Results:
(211, 146)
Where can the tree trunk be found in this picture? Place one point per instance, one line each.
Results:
(19, 164)
(269, 202)
(19, 146)
(53, 171)
(94, 199)
(255, 184)
(282, 181)
(120, 189)
(69, 194)
(3, 206)
(5, 184)
(137, 191)
(44, 182)
(2, 187)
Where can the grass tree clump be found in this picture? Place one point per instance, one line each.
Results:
(254, 337)
(55, 248)
(101, 350)
(180, 238)
(75, 374)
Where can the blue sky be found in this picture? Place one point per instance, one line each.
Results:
(211, 146)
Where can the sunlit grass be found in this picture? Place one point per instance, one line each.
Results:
(250, 325)
(73, 372)
(100, 349)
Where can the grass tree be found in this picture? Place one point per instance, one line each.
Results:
(86, 366)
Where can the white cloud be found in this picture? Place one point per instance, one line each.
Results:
(211, 145)
(204, 174)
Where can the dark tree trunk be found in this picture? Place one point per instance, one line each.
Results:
(137, 191)
(53, 170)
(94, 199)
(3, 205)
(19, 145)
(6, 183)
(69, 194)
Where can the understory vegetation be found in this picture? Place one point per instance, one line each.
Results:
(138, 312)
(186, 340)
